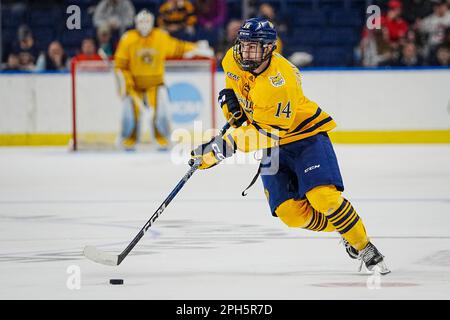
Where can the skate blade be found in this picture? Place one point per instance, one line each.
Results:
(380, 268)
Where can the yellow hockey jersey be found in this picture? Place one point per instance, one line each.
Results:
(277, 109)
(141, 59)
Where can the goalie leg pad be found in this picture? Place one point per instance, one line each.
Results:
(130, 122)
(162, 111)
(158, 99)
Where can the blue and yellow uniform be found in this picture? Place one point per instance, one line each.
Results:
(264, 102)
(306, 189)
(275, 105)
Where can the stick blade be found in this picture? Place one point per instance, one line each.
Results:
(96, 255)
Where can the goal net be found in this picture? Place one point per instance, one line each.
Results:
(97, 106)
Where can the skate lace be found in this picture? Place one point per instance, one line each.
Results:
(344, 242)
(367, 254)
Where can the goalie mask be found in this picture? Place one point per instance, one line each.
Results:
(144, 22)
(255, 43)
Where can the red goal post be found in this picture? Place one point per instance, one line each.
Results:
(96, 105)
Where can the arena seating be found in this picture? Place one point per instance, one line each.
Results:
(328, 29)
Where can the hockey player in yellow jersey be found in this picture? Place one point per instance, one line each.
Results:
(264, 101)
(139, 66)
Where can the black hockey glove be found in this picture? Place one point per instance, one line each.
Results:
(211, 153)
(231, 108)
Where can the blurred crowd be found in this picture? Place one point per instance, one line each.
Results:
(111, 18)
(411, 33)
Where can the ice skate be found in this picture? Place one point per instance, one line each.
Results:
(352, 252)
(373, 260)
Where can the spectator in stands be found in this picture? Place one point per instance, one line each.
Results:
(178, 18)
(415, 10)
(88, 51)
(104, 40)
(392, 20)
(268, 12)
(25, 48)
(442, 57)
(228, 39)
(211, 14)
(447, 37)
(13, 63)
(115, 14)
(375, 49)
(27, 61)
(414, 37)
(435, 25)
(54, 60)
(409, 56)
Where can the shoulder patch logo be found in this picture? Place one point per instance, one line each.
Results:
(233, 76)
(277, 81)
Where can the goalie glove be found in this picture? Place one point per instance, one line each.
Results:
(202, 49)
(231, 108)
(211, 153)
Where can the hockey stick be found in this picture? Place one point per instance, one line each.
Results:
(99, 256)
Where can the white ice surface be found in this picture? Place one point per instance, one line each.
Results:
(211, 243)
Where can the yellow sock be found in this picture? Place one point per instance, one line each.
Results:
(319, 222)
(349, 225)
(300, 214)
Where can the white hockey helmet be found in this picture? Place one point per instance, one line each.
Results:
(144, 22)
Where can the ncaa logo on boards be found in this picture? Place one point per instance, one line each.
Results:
(186, 102)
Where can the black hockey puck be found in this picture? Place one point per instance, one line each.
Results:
(116, 281)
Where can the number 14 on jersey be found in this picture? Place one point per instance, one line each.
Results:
(286, 110)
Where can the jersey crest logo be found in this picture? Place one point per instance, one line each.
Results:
(232, 76)
(277, 81)
(247, 105)
(146, 55)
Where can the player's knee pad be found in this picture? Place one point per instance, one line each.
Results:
(129, 121)
(294, 213)
(325, 199)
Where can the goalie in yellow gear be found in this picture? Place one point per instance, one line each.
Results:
(139, 67)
